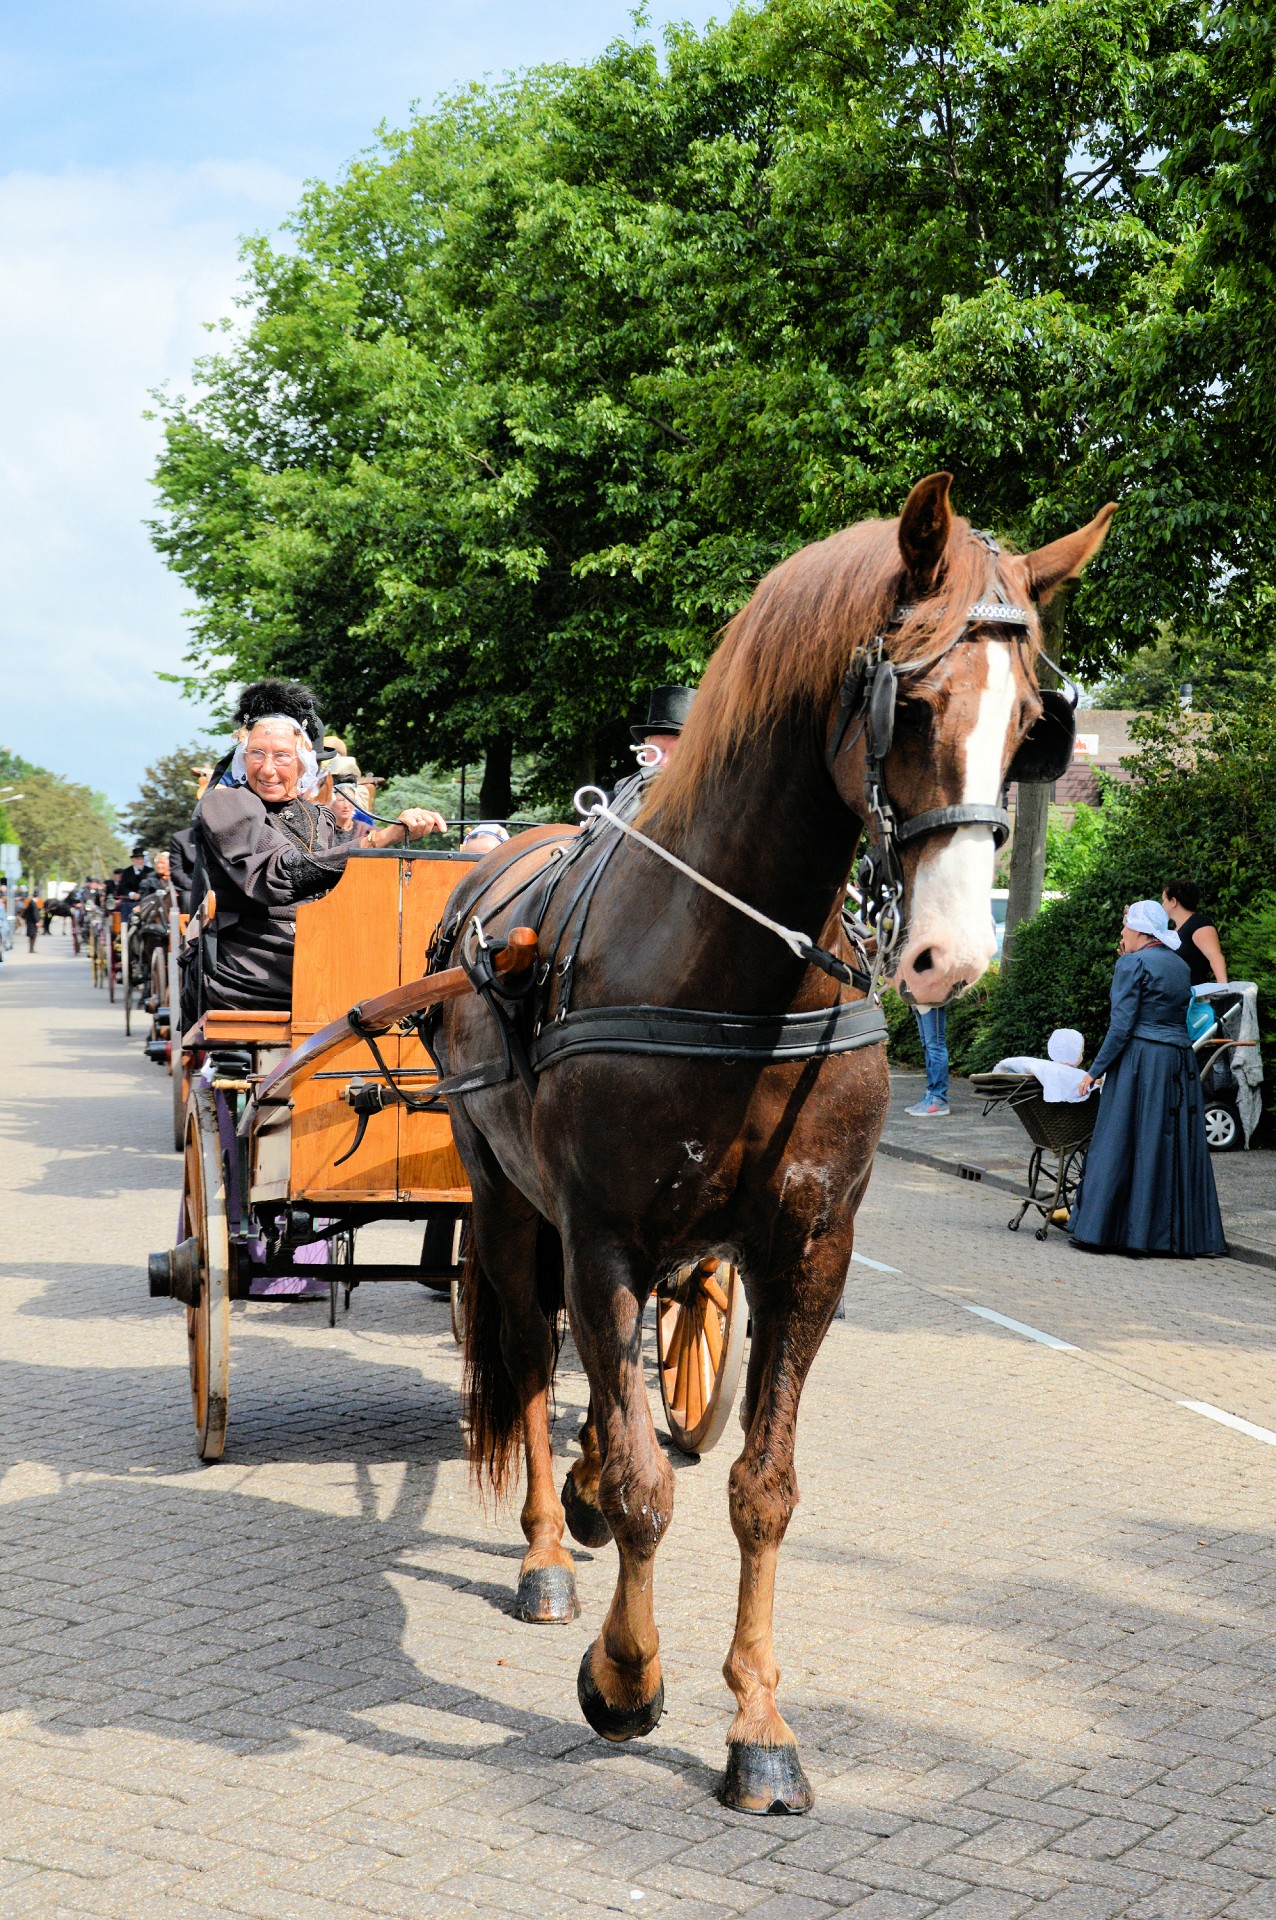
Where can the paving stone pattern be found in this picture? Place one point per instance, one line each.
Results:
(1025, 1609)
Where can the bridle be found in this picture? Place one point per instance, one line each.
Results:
(870, 692)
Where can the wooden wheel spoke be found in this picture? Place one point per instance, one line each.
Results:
(712, 1287)
(713, 1338)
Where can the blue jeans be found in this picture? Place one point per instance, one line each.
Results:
(932, 1024)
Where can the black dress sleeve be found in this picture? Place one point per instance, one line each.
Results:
(259, 857)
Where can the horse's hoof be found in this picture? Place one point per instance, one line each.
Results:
(615, 1723)
(762, 1779)
(547, 1597)
(585, 1522)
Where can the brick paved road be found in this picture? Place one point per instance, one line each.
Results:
(1025, 1611)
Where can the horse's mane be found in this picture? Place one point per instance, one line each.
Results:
(807, 621)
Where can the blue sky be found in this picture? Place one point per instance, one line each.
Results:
(137, 143)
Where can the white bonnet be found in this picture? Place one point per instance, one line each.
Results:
(1066, 1046)
(1150, 917)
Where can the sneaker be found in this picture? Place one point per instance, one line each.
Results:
(927, 1108)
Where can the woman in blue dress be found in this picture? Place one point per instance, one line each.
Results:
(1148, 1185)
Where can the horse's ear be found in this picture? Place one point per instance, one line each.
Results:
(1063, 559)
(924, 526)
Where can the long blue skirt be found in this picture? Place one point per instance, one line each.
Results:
(1148, 1185)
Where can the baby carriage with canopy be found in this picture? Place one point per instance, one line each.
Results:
(1060, 1132)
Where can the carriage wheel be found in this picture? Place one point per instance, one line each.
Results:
(701, 1322)
(159, 977)
(208, 1323)
(181, 1087)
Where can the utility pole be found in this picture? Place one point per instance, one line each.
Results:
(1032, 813)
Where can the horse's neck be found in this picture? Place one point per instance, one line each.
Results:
(772, 831)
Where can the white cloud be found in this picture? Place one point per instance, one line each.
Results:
(106, 280)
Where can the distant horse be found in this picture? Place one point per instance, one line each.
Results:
(882, 679)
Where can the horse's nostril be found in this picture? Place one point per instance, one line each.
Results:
(924, 961)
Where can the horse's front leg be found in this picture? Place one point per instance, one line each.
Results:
(790, 1317)
(619, 1685)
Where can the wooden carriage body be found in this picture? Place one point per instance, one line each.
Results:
(271, 1171)
(368, 935)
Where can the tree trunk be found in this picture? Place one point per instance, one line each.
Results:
(1032, 810)
(1027, 862)
(496, 795)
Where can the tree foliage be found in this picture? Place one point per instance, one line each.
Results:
(66, 831)
(166, 796)
(531, 397)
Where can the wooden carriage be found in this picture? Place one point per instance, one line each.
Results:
(269, 1180)
(267, 1176)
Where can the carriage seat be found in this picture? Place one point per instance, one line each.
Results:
(231, 1027)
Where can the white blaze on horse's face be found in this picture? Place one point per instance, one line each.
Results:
(950, 934)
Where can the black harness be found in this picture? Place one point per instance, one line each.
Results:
(869, 694)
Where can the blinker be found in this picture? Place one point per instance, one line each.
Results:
(1045, 753)
(881, 710)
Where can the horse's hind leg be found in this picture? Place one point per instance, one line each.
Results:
(509, 1359)
(790, 1318)
(619, 1685)
(585, 1518)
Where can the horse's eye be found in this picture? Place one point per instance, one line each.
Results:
(914, 719)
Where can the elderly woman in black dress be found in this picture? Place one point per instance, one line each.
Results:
(1148, 1185)
(267, 847)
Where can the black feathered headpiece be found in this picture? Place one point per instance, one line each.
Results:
(288, 697)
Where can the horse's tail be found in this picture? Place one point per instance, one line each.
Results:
(492, 1408)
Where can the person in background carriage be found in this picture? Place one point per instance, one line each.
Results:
(266, 847)
(129, 883)
(655, 742)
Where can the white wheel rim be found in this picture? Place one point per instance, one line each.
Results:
(208, 1325)
(1220, 1127)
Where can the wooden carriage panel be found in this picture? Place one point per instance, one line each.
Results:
(429, 1164)
(366, 936)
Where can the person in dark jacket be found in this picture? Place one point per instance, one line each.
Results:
(267, 847)
(1148, 1185)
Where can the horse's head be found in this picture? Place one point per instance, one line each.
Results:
(935, 719)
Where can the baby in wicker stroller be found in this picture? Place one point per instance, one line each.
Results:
(1061, 1075)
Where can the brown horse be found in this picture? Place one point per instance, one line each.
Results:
(624, 1166)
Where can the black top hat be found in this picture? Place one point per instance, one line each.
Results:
(139, 851)
(668, 711)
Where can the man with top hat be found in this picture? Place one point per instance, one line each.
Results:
(655, 743)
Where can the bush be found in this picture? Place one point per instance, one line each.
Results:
(1071, 852)
(1251, 955)
(1203, 807)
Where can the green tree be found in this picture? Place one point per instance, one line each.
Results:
(66, 831)
(166, 796)
(545, 382)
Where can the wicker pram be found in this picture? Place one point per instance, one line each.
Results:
(1060, 1133)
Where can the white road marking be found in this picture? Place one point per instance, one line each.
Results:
(1018, 1326)
(878, 1266)
(1234, 1420)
